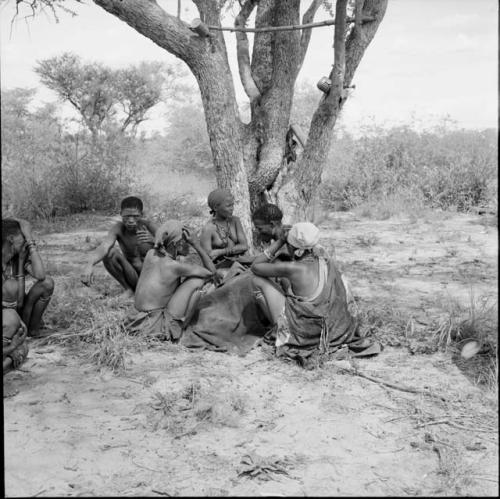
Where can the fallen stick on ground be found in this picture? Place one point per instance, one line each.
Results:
(145, 467)
(455, 425)
(391, 385)
(39, 493)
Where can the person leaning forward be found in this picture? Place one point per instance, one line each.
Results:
(135, 237)
(20, 257)
(168, 289)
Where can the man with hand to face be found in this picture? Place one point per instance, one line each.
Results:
(135, 237)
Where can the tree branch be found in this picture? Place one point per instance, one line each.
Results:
(243, 52)
(307, 18)
(361, 36)
(149, 19)
(337, 74)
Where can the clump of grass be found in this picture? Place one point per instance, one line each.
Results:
(478, 320)
(221, 407)
(367, 240)
(198, 403)
(385, 322)
(110, 343)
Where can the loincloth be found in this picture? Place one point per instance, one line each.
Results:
(158, 323)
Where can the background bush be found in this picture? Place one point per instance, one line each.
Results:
(54, 167)
(443, 167)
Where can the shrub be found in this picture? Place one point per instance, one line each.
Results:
(444, 168)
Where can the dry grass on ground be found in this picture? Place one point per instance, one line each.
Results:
(128, 417)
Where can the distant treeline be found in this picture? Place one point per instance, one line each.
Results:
(53, 168)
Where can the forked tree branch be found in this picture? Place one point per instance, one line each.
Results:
(306, 33)
(361, 35)
(243, 52)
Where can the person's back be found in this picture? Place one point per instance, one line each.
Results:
(303, 275)
(158, 281)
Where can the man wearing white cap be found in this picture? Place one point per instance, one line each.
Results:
(309, 309)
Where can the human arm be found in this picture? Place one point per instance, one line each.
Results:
(29, 258)
(241, 244)
(262, 265)
(206, 260)
(147, 236)
(100, 252)
(10, 344)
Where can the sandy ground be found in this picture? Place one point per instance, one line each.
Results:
(179, 422)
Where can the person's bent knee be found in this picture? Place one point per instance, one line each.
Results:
(112, 256)
(48, 286)
(10, 322)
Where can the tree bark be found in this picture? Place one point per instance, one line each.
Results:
(248, 158)
(348, 55)
(207, 60)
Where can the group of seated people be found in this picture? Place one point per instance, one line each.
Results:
(296, 287)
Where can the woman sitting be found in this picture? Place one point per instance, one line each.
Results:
(223, 237)
(309, 308)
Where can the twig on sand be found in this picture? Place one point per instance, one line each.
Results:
(160, 492)
(455, 425)
(38, 493)
(392, 385)
(477, 477)
(145, 467)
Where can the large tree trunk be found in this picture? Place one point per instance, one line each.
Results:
(248, 158)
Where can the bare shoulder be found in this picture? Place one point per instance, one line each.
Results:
(208, 228)
(116, 228)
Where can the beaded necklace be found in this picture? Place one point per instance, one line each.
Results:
(223, 232)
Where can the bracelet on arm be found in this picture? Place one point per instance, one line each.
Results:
(20, 276)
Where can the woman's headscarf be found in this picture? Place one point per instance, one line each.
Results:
(168, 233)
(304, 236)
(217, 197)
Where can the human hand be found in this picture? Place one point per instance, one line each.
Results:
(23, 254)
(189, 237)
(19, 335)
(145, 237)
(282, 232)
(88, 275)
